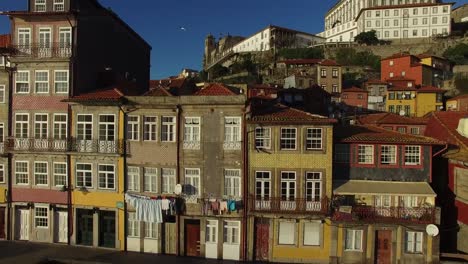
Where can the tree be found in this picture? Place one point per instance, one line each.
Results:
(301, 53)
(368, 38)
(458, 54)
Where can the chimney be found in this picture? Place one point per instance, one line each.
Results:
(463, 127)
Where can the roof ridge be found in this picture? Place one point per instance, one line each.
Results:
(449, 130)
(301, 111)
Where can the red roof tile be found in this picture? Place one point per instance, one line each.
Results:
(373, 134)
(158, 91)
(108, 94)
(354, 89)
(430, 89)
(169, 83)
(448, 121)
(375, 81)
(215, 89)
(399, 78)
(328, 62)
(5, 40)
(279, 113)
(390, 118)
(463, 96)
(401, 88)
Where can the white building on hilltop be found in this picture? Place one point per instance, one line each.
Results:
(391, 19)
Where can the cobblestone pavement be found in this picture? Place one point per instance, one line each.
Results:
(37, 253)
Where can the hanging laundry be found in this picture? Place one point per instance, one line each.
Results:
(146, 210)
(223, 206)
(165, 204)
(232, 205)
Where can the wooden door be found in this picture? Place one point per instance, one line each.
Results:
(2, 223)
(262, 238)
(22, 224)
(383, 247)
(61, 226)
(192, 240)
(85, 227)
(107, 229)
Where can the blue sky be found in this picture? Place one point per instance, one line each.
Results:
(159, 22)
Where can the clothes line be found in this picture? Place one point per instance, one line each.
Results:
(147, 210)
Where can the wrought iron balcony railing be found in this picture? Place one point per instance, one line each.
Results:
(43, 50)
(364, 213)
(65, 145)
(292, 206)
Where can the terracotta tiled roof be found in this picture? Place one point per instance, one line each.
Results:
(399, 78)
(354, 89)
(425, 55)
(215, 89)
(390, 118)
(158, 91)
(375, 81)
(108, 94)
(430, 89)
(373, 134)
(449, 122)
(5, 40)
(463, 96)
(279, 113)
(401, 88)
(169, 83)
(399, 55)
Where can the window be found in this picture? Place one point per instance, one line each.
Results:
(405, 23)
(41, 173)
(133, 225)
(434, 20)
(353, 240)
(41, 216)
(149, 128)
(434, 31)
(366, 154)
(335, 73)
(84, 175)
(133, 180)
(2, 60)
(45, 45)
(232, 232)
(323, 73)
(168, 180)
(410, 201)
(61, 81)
(60, 126)
(388, 155)
(106, 176)
(434, 10)
(288, 138)
(415, 11)
(391, 74)
(341, 153)
(288, 186)
(387, 34)
(42, 81)
(401, 129)
(40, 126)
(395, 22)
(415, 21)
(391, 96)
(150, 179)
(424, 21)
(395, 34)
(59, 5)
(387, 23)
(151, 230)
(414, 130)
(313, 186)
(377, 13)
(232, 183)
(424, 32)
(232, 130)
(287, 233)
(263, 138)
(2, 93)
(377, 23)
(60, 174)
(444, 20)
(387, 13)
(425, 11)
(335, 88)
(369, 24)
(84, 127)
(391, 108)
(414, 242)
(40, 6)
(192, 182)
(192, 130)
(24, 42)
(412, 155)
(2, 173)
(22, 82)
(22, 126)
(262, 185)
(65, 39)
(445, 9)
(212, 231)
(133, 128)
(22, 172)
(107, 127)
(314, 138)
(369, 13)
(168, 129)
(382, 201)
(312, 232)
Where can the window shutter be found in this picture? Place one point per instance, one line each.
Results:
(312, 234)
(286, 233)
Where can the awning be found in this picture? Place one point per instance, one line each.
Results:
(353, 187)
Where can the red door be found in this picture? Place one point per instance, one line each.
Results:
(262, 233)
(383, 247)
(192, 240)
(2, 223)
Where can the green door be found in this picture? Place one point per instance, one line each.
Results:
(107, 229)
(85, 227)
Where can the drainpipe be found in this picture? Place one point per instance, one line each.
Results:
(69, 182)
(179, 115)
(245, 149)
(124, 145)
(10, 156)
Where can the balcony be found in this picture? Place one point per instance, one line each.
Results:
(65, 145)
(281, 205)
(39, 50)
(373, 214)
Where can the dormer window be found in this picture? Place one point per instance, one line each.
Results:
(59, 5)
(40, 6)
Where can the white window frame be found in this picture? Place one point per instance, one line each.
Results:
(168, 129)
(168, 180)
(60, 174)
(232, 183)
(313, 139)
(231, 232)
(41, 220)
(133, 128)
(365, 154)
(414, 242)
(60, 127)
(211, 231)
(388, 157)
(25, 181)
(150, 179)
(85, 126)
(193, 180)
(87, 183)
(58, 81)
(288, 192)
(58, 3)
(106, 178)
(41, 127)
(151, 230)
(413, 155)
(133, 225)
(308, 229)
(22, 45)
(24, 80)
(2, 133)
(263, 137)
(107, 129)
(287, 139)
(410, 201)
(38, 82)
(415, 129)
(232, 129)
(2, 173)
(262, 191)
(38, 174)
(192, 131)
(383, 200)
(290, 238)
(355, 243)
(2, 93)
(23, 125)
(41, 4)
(150, 128)
(312, 183)
(133, 180)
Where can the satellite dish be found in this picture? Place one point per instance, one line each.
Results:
(178, 189)
(402, 112)
(432, 230)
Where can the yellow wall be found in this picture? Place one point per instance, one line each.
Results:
(411, 103)
(426, 103)
(427, 61)
(2, 194)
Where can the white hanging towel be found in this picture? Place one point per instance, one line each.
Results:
(146, 210)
